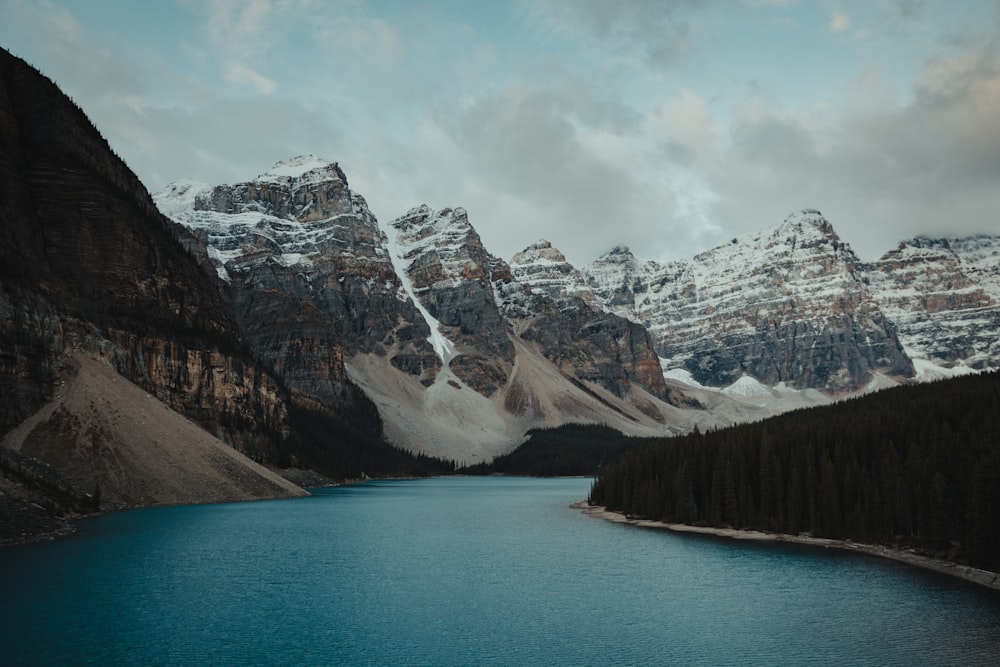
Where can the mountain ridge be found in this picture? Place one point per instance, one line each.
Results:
(761, 321)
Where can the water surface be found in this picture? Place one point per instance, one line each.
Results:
(465, 571)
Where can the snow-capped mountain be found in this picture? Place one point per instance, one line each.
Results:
(944, 297)
(788, 305)
(462, 352)
(416, 313)
(441, 259)
(309, 272)
(545, 270)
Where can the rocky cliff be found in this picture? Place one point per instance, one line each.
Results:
(89, 266)
(425, 319)
(789, 305)
(308, 273)
(944, 297)
(449, 274)
(555, 309)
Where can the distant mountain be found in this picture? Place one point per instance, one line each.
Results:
(944, 297)
(788, 305)
(422, 311)
(794, 307)
(459, 355)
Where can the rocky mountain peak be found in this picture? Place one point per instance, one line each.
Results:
(450, 275)
(303, 169)
(944, 296)
(543, 269)
(620, 252)
(304, 189)
(537, 251)
(297, 245)
(442, 246)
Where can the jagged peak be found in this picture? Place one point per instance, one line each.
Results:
(417, 212)
(539, 251)
(179, 196)
(620, 254)
(807, 218)
(424, 214)
(922, 246)
(935, 247)
(308, 168)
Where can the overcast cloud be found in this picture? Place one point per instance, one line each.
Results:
(669, 127)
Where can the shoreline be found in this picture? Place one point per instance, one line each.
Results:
(985, 578)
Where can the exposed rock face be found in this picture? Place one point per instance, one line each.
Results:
(308, 273)
(452, 275)
(317, 295)
(944, 296)
(552, 308)
(789, 305)
(89, 266)
(89, 263)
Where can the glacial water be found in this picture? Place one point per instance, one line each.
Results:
(464, 571)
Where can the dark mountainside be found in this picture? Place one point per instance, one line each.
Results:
(88, 266)
(915, 466)
(571, 450)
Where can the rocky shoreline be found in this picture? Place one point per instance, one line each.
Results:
(981, 577)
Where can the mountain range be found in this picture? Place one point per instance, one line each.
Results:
(293, 329)
(463, 351)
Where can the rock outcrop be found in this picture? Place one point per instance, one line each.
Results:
(308, 273)
(554, 308)
(89, 266)
(944, 296)
(790, 305)
(443, 263)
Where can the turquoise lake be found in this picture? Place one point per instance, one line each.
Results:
(464, 571)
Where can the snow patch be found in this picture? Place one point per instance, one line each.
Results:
(294, 167)
(927, 370)
(443, 347)
(178, 197)
(681, 375)
(747, 387)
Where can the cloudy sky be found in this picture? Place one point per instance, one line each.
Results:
(669, 126)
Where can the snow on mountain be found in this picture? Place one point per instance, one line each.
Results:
(454, 345)
(403, 250)
(543, 269)
(747, 386)
(179, 197)
(303, 169)
(783, 305)
(299, 209)
(944, 296)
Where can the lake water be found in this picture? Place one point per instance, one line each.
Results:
(464, 571)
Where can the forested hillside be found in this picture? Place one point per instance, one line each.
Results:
(571, 450)
(916, 465)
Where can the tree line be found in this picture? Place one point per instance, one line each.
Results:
(916, 466)
(571, 450)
